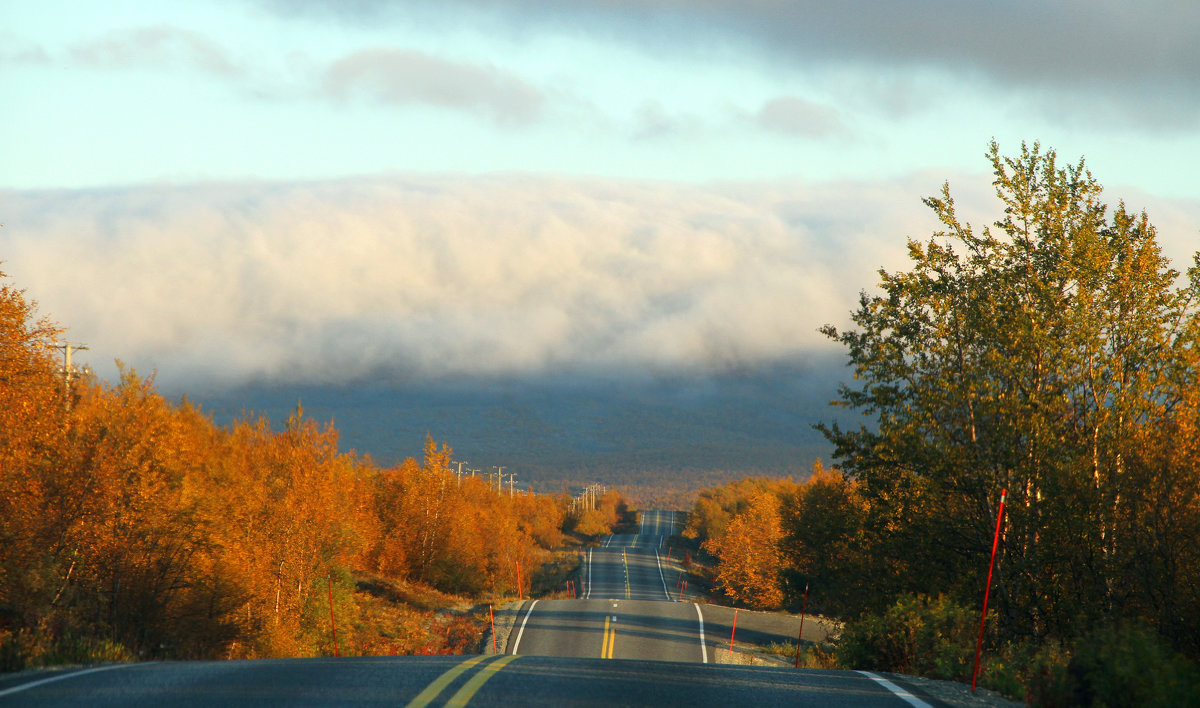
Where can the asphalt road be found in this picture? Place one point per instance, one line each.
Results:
(625, 610)
(480, 680)
(625, 642)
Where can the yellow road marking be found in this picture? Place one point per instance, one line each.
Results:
(464, 694)
(610, 639)
(439, 684)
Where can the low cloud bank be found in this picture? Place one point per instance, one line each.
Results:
(417, 278)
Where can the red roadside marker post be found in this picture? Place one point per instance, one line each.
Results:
(492, 619)
(800, 634)
(987, 588)
(733, 631)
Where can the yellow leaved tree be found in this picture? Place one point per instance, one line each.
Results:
(749, 554)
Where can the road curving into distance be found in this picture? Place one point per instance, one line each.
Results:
(628, 640)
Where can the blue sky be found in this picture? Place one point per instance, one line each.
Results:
(377, 184)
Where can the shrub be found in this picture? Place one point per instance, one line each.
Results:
(1129, 665)
(1117, 665)
(86, 650)
(1028, 672)
(26, 649)
(918, 635)
(818, 656)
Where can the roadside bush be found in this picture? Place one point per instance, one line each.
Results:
(818, 656)
(26, 649)
(1032, 673)
(1122, 665)
(1128, 665)
(14, 651)
(918, 635)
(86, 650)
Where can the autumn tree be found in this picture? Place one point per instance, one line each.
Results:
(284, 506)
(1042, 355)
(603, 518)
(824, 543)
(748, 554)
(715, 507)
(31, 430)
(133, 527)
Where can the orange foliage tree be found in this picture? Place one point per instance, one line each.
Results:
(134, 527)
(748, 554)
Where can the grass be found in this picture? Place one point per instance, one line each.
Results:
(550, 579)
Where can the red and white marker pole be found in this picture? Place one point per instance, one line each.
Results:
(800, 634)
(987, 588)
(492, 619)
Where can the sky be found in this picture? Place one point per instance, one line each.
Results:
(237, 190)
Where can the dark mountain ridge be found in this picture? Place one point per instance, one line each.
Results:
(556, 429)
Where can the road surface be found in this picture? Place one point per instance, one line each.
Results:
(480, 680)
(625, 610)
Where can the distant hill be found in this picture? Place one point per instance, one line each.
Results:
(675, 431)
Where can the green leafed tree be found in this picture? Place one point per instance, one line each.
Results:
(1038, 355)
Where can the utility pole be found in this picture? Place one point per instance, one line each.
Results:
(460, 464)
(68, 370)
(500, 480)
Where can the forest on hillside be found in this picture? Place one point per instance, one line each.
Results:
(132, 527)
(1055, 356)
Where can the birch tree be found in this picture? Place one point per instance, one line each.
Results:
(1031, 355)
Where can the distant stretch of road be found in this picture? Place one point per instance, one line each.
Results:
(628, 641)
(625, 609)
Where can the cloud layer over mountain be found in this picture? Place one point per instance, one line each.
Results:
(412, 278)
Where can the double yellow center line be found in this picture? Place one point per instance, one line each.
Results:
(464, 694)
(610, 638)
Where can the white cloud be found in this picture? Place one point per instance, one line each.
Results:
(433, 277)
(159, 46)
(795, 116)
(394, 76)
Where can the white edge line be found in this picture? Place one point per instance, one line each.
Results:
(52, 679)
(521, 632)
(588, 595)
(661, 576)
(703, 649)
(900, 692)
